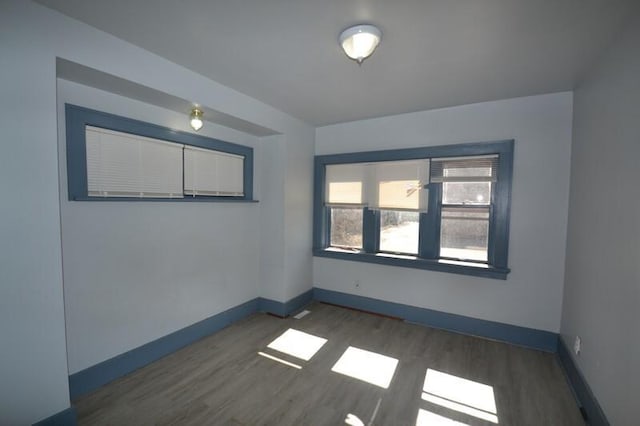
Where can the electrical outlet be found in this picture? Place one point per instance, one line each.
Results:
(577, 345)
(356, 283)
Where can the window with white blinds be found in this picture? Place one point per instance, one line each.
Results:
(110, 157)
(212, 173)
(399, 185)
(125, 165)
(345, 184)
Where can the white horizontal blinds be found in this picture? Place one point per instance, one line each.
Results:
(465, 169)
(125, 165)
(161, 169)
(213, 173)
(399, 185)
(345, 184)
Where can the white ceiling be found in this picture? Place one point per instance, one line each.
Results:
(434, 53)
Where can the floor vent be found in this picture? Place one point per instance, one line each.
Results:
(302, 314)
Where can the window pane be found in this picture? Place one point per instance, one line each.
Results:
(345, 192)
(346, 228)
(399, 231)
(464, 233)
(453, 171)
(466, 193)
(399, 194)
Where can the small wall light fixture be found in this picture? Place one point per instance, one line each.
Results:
(360, 41)
(195, 119)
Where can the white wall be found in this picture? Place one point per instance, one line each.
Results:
(285, 262)
(602, 287)
(137, 271)
(33, 357)
(532, 294)
(299, 213)
(272, 231)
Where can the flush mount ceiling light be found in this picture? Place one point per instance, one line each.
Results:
(360, 41)
(196, 119)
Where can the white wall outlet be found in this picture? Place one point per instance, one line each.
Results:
(577, 345)
(356, 283)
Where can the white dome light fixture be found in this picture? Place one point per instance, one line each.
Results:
(360, 41)
(196, 119)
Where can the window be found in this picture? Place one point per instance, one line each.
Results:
(399, 231)
(444, 208)
(346, 228)
(399, 193)
(117, 158)
(466, 205)
(344, 188)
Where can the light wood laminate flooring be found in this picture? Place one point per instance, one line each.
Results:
(222, 380)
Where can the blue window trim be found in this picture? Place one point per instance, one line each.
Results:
(499, 227)
(77, 118)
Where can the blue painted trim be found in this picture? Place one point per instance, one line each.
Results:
(284, 309)
(499, 235)
(272, 307)
(66, 417)
(417, 263)
(299, 302)
(320, 213)
(77, 118)
(429, 223)
(581, 389)
(100, 374)
(186, 199)
(521, 336)
(429, 233)
(370, 230)
(464, 149)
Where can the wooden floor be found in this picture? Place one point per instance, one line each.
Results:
(222, 380)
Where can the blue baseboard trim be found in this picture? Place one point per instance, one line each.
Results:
(284, 309)
(100, 374)
(521, 336)
(272, 307)
(581, 389)
(66, 417)
(299, 302)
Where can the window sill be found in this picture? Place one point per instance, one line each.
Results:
(171, 200)
(455, 267)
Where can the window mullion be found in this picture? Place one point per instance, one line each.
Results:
(429, 243)
(491, 240)
(370, 230)
(326, 230)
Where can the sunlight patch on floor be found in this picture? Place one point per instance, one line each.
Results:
(297, 344)
(353, 420)
(367, 366)
(459, 394)
(427, 418)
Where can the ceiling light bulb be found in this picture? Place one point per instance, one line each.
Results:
(196, 119)
(360, 41)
